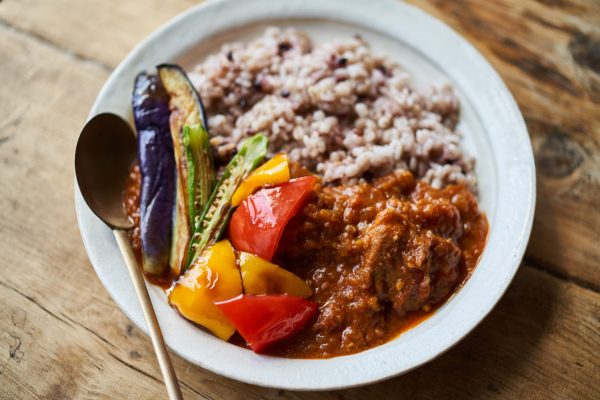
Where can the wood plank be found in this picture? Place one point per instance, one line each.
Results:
(547, 53)
(117, 25)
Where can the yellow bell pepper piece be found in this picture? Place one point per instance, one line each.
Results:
(214, 276)
(273, 172)
(262, 277)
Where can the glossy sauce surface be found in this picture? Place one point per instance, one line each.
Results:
(380, 258)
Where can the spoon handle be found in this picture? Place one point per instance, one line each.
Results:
(164, 362)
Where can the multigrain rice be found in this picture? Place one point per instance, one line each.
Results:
(337, 109)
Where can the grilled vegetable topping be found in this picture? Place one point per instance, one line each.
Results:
(271, 173)
(213, 277)
(258, 223)
(264, 320)
(213, 221)
(157, 167)
(262, 277)
(186, 109)
(184, 97)
(201, 174)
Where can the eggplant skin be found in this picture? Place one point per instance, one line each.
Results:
(157, 166)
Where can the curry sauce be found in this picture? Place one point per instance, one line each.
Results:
(380, 258)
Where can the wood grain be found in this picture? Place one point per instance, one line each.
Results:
(61, 336)
(102, 31)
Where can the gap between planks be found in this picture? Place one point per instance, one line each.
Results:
(531, 262)
(55, 46)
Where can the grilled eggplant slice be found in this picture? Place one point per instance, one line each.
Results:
(183, 95)
(186, 109)
(213, 222)
(157, 166)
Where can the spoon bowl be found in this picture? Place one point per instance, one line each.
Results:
(105, 150)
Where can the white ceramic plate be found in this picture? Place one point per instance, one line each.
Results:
(494, 132)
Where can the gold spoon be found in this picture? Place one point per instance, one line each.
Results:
(105, 150)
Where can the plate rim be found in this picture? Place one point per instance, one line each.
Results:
(504, 98)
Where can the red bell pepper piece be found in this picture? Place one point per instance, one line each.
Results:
(258, 223)
(265, 319)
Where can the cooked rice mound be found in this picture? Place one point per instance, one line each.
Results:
(337, 109)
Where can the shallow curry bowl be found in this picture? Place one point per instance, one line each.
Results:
(494, 133)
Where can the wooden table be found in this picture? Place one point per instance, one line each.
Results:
(63, 337)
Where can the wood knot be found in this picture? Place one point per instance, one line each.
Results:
(586, 51)
(15, 352)
(558, 156)
(18, 316)
(135, 355)
(492, 388)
